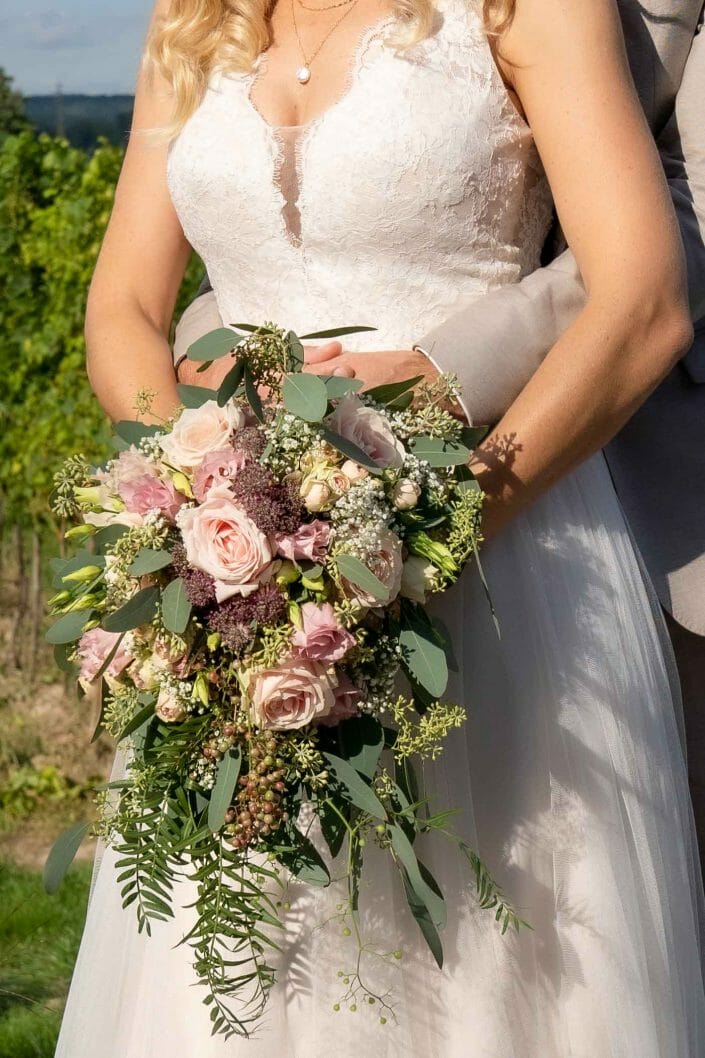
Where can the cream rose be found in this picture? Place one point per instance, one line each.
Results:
(295, 693)
(199, 431)
(222, 540)
(369, 430)
(417, 578)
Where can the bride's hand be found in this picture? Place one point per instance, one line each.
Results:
(316, 359)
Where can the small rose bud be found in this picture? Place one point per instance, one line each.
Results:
(405, 494)
(353, 471)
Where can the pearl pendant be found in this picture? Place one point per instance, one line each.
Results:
(303, 74)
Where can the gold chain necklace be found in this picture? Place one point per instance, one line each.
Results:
(303, 73)
(325, 7)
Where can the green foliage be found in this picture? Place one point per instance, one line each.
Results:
(26, 790)
(55, 202)
(39, 938)
(12, 112)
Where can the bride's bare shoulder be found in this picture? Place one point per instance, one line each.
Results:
(544, 30)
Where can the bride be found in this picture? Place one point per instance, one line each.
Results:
(355, 163)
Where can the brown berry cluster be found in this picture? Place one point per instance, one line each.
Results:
(259, 805)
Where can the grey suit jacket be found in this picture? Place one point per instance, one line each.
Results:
(495, 343)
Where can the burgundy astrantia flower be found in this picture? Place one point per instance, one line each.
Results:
(274, 507)
(238, 617)
(200, 586)
(249, 440)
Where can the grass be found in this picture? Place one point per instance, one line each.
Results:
(39, 938)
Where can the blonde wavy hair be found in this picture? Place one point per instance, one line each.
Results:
(185, 46)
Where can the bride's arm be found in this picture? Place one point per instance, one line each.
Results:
(568, 65)
(139, 270)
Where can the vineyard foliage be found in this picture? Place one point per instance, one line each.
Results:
(55, 202)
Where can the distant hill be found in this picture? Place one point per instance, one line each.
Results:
(82, 119)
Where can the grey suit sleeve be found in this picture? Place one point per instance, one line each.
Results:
(495, 344)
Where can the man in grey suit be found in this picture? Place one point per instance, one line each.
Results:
(657, 462)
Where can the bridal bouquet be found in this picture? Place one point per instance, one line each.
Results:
(248, 591)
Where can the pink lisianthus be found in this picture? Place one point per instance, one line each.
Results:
(94, 647)
(222, 540)
(217, 468)
(322, 637)
(295, 693)
(309, 541)
(347, 698)
(135, 479)
(387, 565)
(369, 430)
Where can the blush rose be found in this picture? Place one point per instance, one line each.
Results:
(222, 540)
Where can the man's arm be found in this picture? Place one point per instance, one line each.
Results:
(495, 344)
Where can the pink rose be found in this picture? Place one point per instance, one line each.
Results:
(199, 431)
(322, 637)
(387, 565)
(217, 468)
(309, 541)
(347, 697)
(168, 708)
(295, 693)
(222, 540)
(137, 482)
(94, 647)
(369, 430)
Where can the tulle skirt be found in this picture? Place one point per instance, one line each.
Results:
(571, 784)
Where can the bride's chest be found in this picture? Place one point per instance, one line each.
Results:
(419, 141)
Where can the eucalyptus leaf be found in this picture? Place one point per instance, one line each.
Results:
(472, 436)
(439, 453)
(61, 652)
(423, 919)
(148, 560)
(109, 535)
(133, 432)
(137, 611)
(214, 345)
(252, 328)
(141, 717)
(337, 386)
(231, 383)
(224, 789)
(336, 332)
(423, 651)
(361, 739)
(253, 397)
(391, 390)
(425, 892)
(68, 628)
(296, 349)
(62, 855)
(305, 396)
(176, 606)
(195, 396)
(333, 827)
(303, 860)
(351, 450)
(358, 574)
(358, 791)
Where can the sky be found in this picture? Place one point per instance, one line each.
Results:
(85, 45)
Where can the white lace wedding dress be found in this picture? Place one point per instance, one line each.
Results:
(419, 188)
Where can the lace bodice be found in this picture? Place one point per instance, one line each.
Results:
(417, 190)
